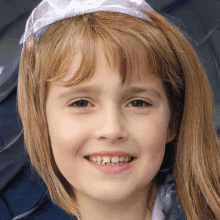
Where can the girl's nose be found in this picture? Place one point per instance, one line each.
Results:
(111, 126)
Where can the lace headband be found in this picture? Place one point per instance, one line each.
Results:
(50, 11)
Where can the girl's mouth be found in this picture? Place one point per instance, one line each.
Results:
(110, 162)
(112, 168)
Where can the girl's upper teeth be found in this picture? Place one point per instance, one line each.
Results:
(106, 159)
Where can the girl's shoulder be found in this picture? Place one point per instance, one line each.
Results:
(26, 198)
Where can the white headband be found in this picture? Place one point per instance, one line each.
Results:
(50, 11)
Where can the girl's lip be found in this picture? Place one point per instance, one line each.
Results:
(110, 153)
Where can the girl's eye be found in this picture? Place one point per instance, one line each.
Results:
(81, 103)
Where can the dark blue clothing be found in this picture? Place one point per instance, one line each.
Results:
(28, 193)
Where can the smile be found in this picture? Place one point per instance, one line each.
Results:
(106, 160)
(112, 168)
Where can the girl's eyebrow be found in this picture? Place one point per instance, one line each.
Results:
(95, 89)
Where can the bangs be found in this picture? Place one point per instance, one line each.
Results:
(125, 53)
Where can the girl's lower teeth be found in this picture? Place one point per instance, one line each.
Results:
(110, 164)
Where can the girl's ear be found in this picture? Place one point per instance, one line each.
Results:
(170, 136)
(172, 128)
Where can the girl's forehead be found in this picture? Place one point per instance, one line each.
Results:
(101, 83)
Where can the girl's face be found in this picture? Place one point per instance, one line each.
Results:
(98, 123)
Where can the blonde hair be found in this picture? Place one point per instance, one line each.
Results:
(168, 55)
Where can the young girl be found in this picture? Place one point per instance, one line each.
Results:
(145, 93)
